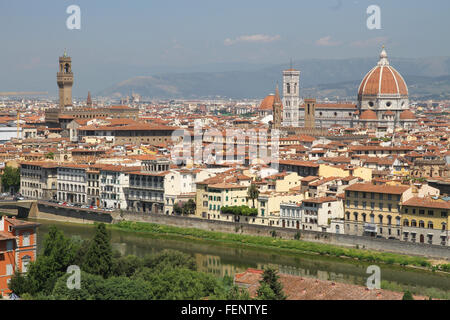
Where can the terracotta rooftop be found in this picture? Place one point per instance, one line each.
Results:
(301, 288)
(369, 187)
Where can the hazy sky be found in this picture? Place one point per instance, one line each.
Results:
(120, 38)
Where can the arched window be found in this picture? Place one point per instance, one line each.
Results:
(364, 217)
(444, 226)
(355, 214)
(413, 223)
(348, 215)
(421, 224)
(406, 223)
(372, 218)
(288, 88)
(430, 224)
(380, 218)
(397, 220)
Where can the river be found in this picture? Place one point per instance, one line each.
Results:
(223, 260)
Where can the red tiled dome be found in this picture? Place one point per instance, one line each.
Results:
(407, 115)
(368, 115)
(383, 79)
(267, 103)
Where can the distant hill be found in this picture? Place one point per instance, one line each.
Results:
(426, 78)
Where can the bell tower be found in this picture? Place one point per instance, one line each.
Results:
(310, 113)
(277, 109)
(64, 79)
(291, 97)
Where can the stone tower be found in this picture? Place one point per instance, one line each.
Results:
(291, 97)
(310, 113)
(64, 79)
(89, 100)
(277, 110)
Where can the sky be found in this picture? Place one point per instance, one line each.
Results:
(118, 39)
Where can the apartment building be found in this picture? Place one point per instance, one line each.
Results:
(270, 204)
(426, 220)
(38, 180)
(18, 243)
(216, 192)
(145, 192)
(93, 186)
(373, 210)
(72, 183)
(181, 184)
(114, 181)
(314, 214)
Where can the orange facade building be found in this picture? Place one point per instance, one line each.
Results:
(17, 248)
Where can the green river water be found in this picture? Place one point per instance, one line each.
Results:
(223, 260)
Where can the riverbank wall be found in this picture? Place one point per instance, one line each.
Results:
(70, 214)
(51, 212)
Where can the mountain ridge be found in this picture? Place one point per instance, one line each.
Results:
(336, 78)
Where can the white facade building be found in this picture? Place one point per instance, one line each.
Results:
(72, 184)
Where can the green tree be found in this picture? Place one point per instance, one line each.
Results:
(11, 179)
(270, 280)
(57, 254)
(253, 193)
(91, 288)
(266, 293)
(407, 296)
(170, 259)
(49, 155)
(178, 283)
(189, 207)
(177, 209)
(126, 266)
(98, 258)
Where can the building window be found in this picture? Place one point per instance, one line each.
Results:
(9, 270)
(25, 262)
(9, 245)
(26, 239)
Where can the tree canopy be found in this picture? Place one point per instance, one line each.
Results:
(11, 179)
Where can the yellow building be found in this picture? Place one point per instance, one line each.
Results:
(426, 220)
(210, 197)
(373, 210)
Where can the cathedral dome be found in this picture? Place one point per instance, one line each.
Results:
(383, 79)
(267, 103)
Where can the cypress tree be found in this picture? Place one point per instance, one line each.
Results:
(270, 286)
(99, 255)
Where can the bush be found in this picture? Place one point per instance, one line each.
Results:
(239, 211)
